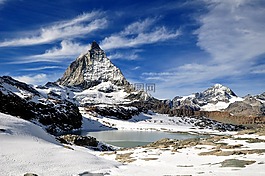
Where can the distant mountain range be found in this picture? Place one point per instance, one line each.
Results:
(221, 98)
(93, 81)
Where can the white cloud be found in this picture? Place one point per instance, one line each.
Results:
(38, 79)
(127, 55)
(260, 69)
(2, 1)
(57, 54)
(139, 33)
(77, 27)
(233, 31)
(194, 73)
(138, 27)
(67, 48)
(41, 68)
(136, 68)
(33, 79)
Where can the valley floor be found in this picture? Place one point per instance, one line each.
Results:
(27, 148)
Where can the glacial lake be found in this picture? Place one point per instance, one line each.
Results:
(123, 138)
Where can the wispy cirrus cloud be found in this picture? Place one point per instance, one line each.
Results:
(232, 32)
(66, 49)
(68, 29)
(136, 68)
(41, 68)
(139, 33)
(126, 55)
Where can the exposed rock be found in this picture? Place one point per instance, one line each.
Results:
(24, 101)
(78, 140)
(215, 94)
(84, 141)
(250, 106)
(219, 152)
(236, 163)
(90, 174)
(125, 157)
(152, 104)
(120, 112)
(261, 96)
(226, 117)
(91, 69)
(30, 174)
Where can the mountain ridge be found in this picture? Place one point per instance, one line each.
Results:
(94, 82)
(213, 95)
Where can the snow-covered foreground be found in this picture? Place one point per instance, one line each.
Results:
(25, 147)
(161, 162)
(187, 161)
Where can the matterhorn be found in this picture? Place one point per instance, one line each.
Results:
(91, 69)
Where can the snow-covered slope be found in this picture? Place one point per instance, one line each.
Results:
(104, 93)
(26, 147)
(22, 100)
(9, 86)
(214, 98)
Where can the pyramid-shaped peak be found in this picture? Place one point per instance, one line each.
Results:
(95, 46)
(91, 69)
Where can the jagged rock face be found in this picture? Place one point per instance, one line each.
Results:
(91, 69)
(84, 141)
(213, 95)
(217, 93)
(22, 100)
(261, 96)
(120, 112)
(250, 106)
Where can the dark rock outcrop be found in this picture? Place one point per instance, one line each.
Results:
(84, 141)
(78, 140)
(119, 112)
(29, 104)
(30, 174)
(250, 106)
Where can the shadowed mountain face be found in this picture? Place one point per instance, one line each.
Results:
(91, 69)
(22, 100)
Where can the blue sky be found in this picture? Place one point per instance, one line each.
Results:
(182, 46)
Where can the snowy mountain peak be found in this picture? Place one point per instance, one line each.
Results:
(218, 85)
(218, 92)
(91, 69)
(214, 98)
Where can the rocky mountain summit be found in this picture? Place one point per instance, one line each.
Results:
(222, 104)
(250, 106)
(91, 69)
(214, 98)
